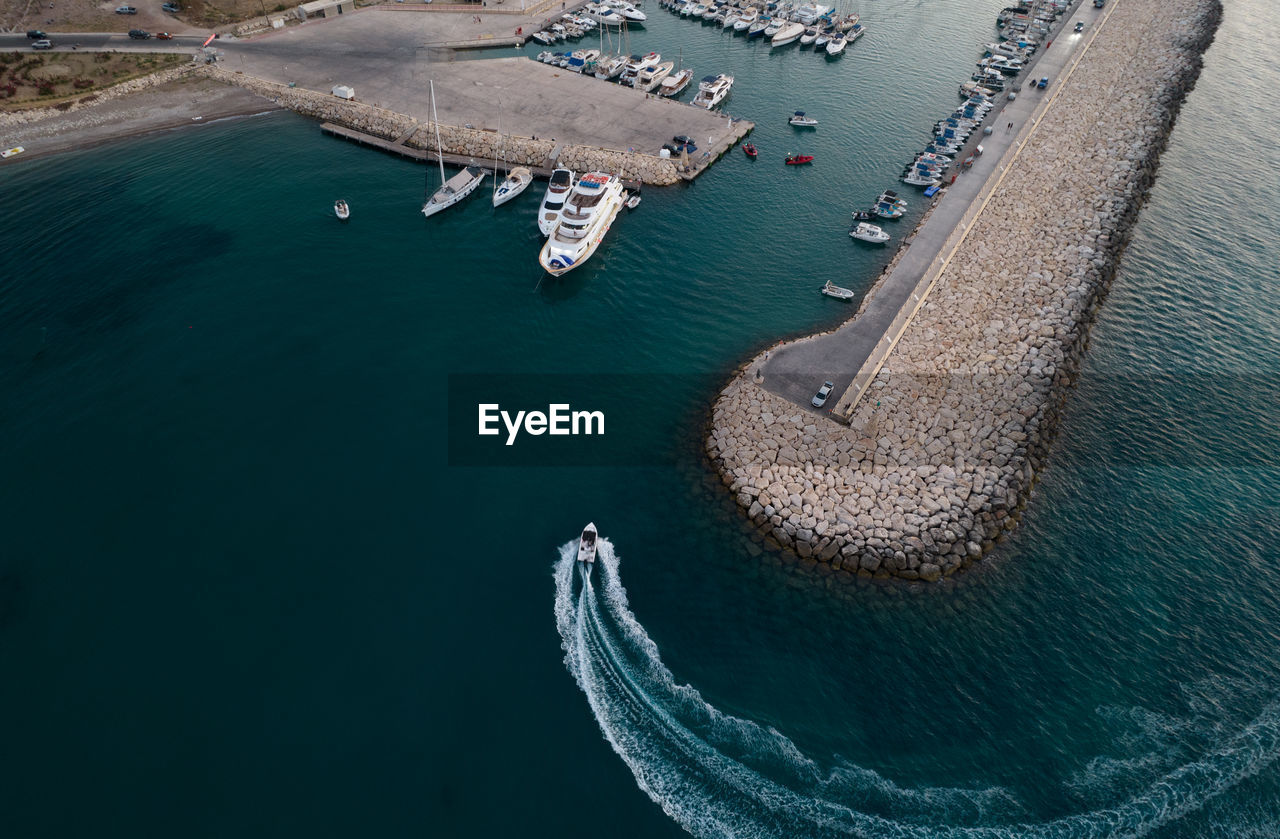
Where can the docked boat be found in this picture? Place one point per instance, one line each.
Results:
(798, 159)
(869, 233)
(885, 209)
(775, 26)
(651, 78)
(13, 152)
(832, 290)
(612, 68)
(712, 90)
(918, 178)
(341, 209)
(746, 19)
(553, 200)
(588, 213)
(454, 189)
(824, 38)
(799, 120)
(750, 150)
(810, 35)
(544, 38)
(587, 544)
(757, 28)
(892, 197)
(632, 201)
(856, 32)
(515, 183)
(788, 34)
(628, 11)
(837, 44)
(639, 64)
(676, 82)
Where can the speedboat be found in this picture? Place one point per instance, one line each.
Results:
(837, 44)
(797, 159)
(745, 20)
(652, 77)
(587, 215)
(788, 34)
(759, 26)
(855, 33)
(810, 35)
(892, 197)
(885, 209)
(515, 183)
(637, 65)
(750, 150)
(836, 291)
(454, 190)
(553, 200)
(676, 82)
(869, 233)
(612, 68)
(341, 210)
(632, 200)
(799, 120)
(587, 544)
(712, 90)
(628, 11)
(775, 26)
(918, 178)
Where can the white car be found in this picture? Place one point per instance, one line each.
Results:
(820, 398)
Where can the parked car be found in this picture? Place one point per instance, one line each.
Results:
(1043, 83)
(820, 398)
(36, 34)
(139, 34)
(42, 44)
(171, 7)
(126, 10)
(163, 36)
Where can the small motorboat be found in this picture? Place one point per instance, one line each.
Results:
(632, 201)
(869, 233)
(515, 183)
(587, 544)
(864, 215)
(797, 159)
(836, 291)
(341, 209)
(886, 209)
(16, 150)
(750, 150)
(799, 120)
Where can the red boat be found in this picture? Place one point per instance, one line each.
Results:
(797, 159)
(750, 149)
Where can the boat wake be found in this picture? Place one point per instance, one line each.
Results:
(721, 776)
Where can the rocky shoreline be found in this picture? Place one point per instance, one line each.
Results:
(940, 457)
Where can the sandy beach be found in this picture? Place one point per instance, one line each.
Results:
(175, 104)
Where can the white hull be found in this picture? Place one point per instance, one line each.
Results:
(552, 202)
(672, 85)
(516, 182)
(587, 544)
(454, 190)
(577, 236)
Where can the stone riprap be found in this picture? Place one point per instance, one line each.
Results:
(940, 455)
(459, 140)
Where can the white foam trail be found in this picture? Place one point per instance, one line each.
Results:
(704, 767)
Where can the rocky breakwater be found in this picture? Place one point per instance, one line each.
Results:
(941, 453)
(459, 140)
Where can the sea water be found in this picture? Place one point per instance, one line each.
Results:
(244, 591)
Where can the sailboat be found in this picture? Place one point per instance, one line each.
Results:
(456, 188)
(517, 179)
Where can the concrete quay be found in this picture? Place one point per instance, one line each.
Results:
(389, 59)
(963, 392)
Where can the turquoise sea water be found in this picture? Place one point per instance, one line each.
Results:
(242, 591)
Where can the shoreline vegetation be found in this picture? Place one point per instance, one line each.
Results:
(940, 457)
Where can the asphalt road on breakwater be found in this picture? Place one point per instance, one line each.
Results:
(797, 369)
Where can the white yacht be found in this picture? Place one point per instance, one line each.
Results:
(788, 34)
(744, 21)
(837, 44)
(611, 68)
(917, 178)
(514, 184)
(629, 12)
(810, 35)
(553, 200)
(588, 213)
(638, 64)
(775, 26)
(758, 27)
(651, 78)
(712, 90)
(676, 82)
(869, 233)
(799, 120)
(887, 209)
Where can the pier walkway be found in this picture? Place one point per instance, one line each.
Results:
(851, 356)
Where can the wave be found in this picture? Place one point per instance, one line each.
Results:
(721, 776)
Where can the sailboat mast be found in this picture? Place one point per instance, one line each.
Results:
(436, 122)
